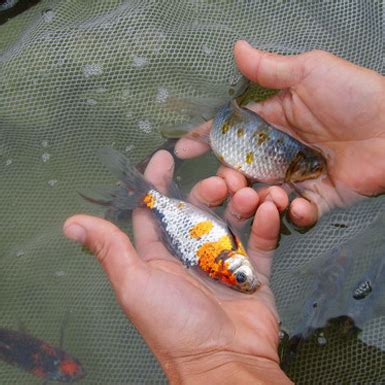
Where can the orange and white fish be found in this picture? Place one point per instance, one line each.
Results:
(195, 235)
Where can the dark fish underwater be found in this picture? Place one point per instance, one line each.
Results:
(38, 357)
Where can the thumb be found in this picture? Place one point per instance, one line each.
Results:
(125, 269)
(267, 69)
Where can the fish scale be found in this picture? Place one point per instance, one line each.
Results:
(241, 139)
(178, 218)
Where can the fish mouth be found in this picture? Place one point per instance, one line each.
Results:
(244, 274)
(307, 164)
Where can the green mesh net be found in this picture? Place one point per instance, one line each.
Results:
(77, 75)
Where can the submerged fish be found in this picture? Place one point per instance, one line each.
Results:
(241, 139)
(368, 296)
(6, 4)
(38, 357)
(195, 235)
(326, 289)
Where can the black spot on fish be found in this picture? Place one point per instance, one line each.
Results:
(362, 290)
(262, 136)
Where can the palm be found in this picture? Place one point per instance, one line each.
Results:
(179, 313)
(200, 319)
(336, 106)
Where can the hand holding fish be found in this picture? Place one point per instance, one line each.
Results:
(199, 333)
(329, 104)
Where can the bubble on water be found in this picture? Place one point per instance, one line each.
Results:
(145, 126)
(59, 273)
(92, 70)
(139, 61)
(48, 15)
(322, 341)
(61, 61)
(44, 143)
(127, 94)
(91, 102)
(101, 90)
(162, 95)
(129, 148)
(8, 162)
(159, 41)
(207, 50)
(45, 157)
(52, 182)
(20, 253)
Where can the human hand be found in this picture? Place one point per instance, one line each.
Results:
(328, 103)
(200, 331)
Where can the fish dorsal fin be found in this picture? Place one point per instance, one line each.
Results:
(235, 109)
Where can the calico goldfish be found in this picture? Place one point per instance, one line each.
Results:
(195, 235)
(38, 357)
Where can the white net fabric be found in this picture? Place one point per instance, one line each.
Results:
(76, 76)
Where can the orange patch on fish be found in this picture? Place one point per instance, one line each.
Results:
(69, 368)
(249, 157)
(38, 372)
(240, 132)
(149, 200)
(181, 205)
(200, 229)
(214, 266)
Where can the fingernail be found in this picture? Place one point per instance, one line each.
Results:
(75, 232)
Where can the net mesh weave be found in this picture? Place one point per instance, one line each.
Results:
(79, 75)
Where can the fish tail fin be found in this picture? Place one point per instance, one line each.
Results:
(131, 190)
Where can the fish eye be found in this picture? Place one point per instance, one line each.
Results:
(241, 277)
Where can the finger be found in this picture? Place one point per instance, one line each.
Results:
(113, 249)
(210, 192)
(264, 237)
(159, 172)
(195, 143)
(234, 180)
(275, 194)
(272, 110)
(267, 69)
(241, 206)
(303, 213)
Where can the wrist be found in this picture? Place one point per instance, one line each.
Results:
(224, 368)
